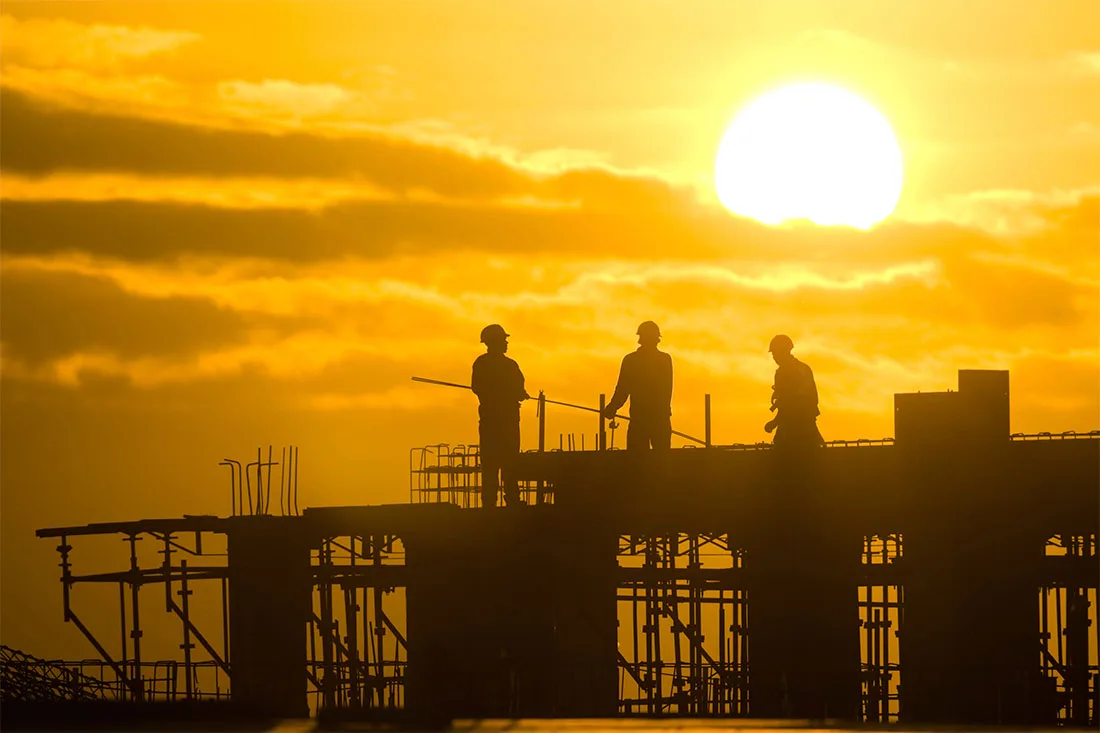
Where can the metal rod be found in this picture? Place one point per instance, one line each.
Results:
(442, 384)
(122, 614)
(232, 484)
(722, 692)
(284, 496)
(326, 627)
(541, 486)
(259, 481)
(133, 683)
(189, 626)
(295, 480)
(368, 634)
(267, 497)
(225, 620)
(246, 472)
(634, 602)
(603, 423)
(350, 612)
(672, 601)
(685, 436)
(166, 568)
(379, 627)
(135, 634)
(184, 594)
(706, 420)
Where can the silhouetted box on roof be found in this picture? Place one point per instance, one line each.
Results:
(979, 411)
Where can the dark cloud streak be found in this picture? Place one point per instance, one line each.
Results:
(370, 230)
(47, 315)
(40, 138)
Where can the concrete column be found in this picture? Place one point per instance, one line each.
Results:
(269, 606)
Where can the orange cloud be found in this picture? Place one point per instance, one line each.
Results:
(1004, 211)
(52, 43)
(281, 99)
(232, 193)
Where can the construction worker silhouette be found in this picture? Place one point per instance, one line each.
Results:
(498, 384)
(794, 399)
(646, 379)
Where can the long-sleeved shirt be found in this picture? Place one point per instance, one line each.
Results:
(499, 386)
(646, 378)
(795, 393)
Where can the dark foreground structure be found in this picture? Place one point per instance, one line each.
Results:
(946, 576)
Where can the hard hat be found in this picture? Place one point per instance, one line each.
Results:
(493, 332)
(781, 343)
(649, 327)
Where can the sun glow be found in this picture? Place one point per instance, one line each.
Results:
(810, 151)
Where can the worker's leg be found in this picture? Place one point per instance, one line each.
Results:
(491, 449)
(661, 434)
(490, 480)
(800, 434)
(511, 486)
(508, 470)
(636, 436)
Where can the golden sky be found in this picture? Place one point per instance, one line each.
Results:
(231, 224)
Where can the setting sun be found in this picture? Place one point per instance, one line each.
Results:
(810, 151)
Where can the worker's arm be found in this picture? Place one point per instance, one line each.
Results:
(622, 391)
(812, 393)
(669, 385)
(476, 380)
(777, 393)
(521, 388)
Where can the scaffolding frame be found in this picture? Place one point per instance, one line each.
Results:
(1068, 652)
(881, 601)
(687, 615)
(125, 673)
(359, 587)
(451, 474)
(676, 591)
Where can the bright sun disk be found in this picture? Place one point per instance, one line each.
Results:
(810, 151)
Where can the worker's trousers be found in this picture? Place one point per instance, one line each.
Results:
(499, 449)
(803, 433)
(643, 433)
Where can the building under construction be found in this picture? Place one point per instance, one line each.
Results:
(947, 575)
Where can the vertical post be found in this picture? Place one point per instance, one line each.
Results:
(122, 616)
(379, 626)
(603, 423)
(328, 682)
(66, 574)
(351, 611)
(871, 705)
(267, 498)
(369, 655)
(295, 480)
(540, 490)
(721, 705)
(184, 593)
(225, 619)
(167, 568)
(706, 419)
(282, 483)
(135, 633)
(351, 608)
(542, 421)
(259, 481)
